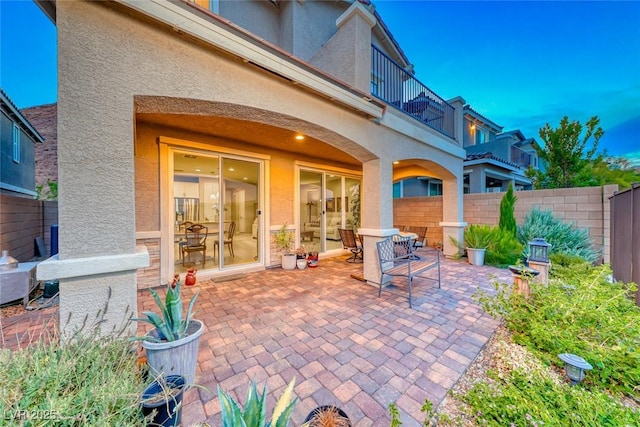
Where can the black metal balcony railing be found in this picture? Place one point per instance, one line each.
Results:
(396, 86)
(520, 158)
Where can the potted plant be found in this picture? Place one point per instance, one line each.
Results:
(327, 416)
(282, 240)
(477, 239)
(301, 258)
(312, 255)
(172, 346)
(162, 401)
(255, 408)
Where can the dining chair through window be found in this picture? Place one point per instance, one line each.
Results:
(196, 241)
(227, 240)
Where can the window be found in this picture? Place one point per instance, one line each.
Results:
(481, 136)
(16, 143)
(435, 188)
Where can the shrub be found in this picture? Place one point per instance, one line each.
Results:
(504, 249)
(507, 216)
(563, 237)
(530, 398)
(89, 381)
(579, 312)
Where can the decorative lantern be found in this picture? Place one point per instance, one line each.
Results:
(539, 250)
(575, 367)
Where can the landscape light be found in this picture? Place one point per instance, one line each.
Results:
(575, 367)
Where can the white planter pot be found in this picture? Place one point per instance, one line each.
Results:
(475, 256)
(289, 261)
(175, 357)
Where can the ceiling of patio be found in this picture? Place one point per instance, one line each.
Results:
(247, 132)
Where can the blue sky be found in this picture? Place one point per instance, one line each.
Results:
(521, 64)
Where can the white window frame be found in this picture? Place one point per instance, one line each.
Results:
(16, 142)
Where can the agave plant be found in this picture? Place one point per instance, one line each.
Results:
(255, 408)
(170, 325)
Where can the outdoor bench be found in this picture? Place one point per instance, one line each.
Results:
(397, 258)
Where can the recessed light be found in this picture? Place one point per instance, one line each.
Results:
(396, 162)
(299, 137)
(245, 178)
(231, 169)
(197, 170)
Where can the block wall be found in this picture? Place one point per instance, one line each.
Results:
(586, 207)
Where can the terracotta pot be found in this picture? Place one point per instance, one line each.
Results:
(190, 278)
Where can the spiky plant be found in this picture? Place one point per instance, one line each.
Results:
(170, 324)
(255, 408)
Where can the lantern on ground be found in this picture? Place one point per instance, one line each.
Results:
(539, 259)
(539, 250)
(575, 367)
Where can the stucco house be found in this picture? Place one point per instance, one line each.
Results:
(495, 158)
(18, 139)
(256, 113)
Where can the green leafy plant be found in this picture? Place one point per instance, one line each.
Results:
(563, 237)
(50, 193)
(532, 398)
(476, 236)
(255, 408)
(578, 312)
(170, 324)
(283, 239)
(507, 220)
(503, 249)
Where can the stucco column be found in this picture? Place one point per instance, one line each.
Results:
(347, 54)
(377, 212)
(452, 214)
(97, 258)
(458, 122)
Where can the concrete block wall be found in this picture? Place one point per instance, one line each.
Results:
(586, 207)
(420, 212)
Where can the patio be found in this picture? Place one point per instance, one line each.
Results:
(342, 343)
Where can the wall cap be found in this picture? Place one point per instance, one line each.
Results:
(55, 268)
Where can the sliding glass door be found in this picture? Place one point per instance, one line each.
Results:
(221, 193)
(328, 201)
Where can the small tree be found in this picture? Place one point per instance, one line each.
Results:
(507, 209)
(567, 163)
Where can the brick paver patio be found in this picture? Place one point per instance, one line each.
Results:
(342, 343)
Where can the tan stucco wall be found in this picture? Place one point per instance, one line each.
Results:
(106, 59)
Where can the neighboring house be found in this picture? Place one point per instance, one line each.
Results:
(18, 139)
(495, 158)
(45, 119)
(256, 113)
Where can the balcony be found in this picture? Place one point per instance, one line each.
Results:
(396, 86)
(520, 158)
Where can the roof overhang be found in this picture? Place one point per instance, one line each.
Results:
(223, 35)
